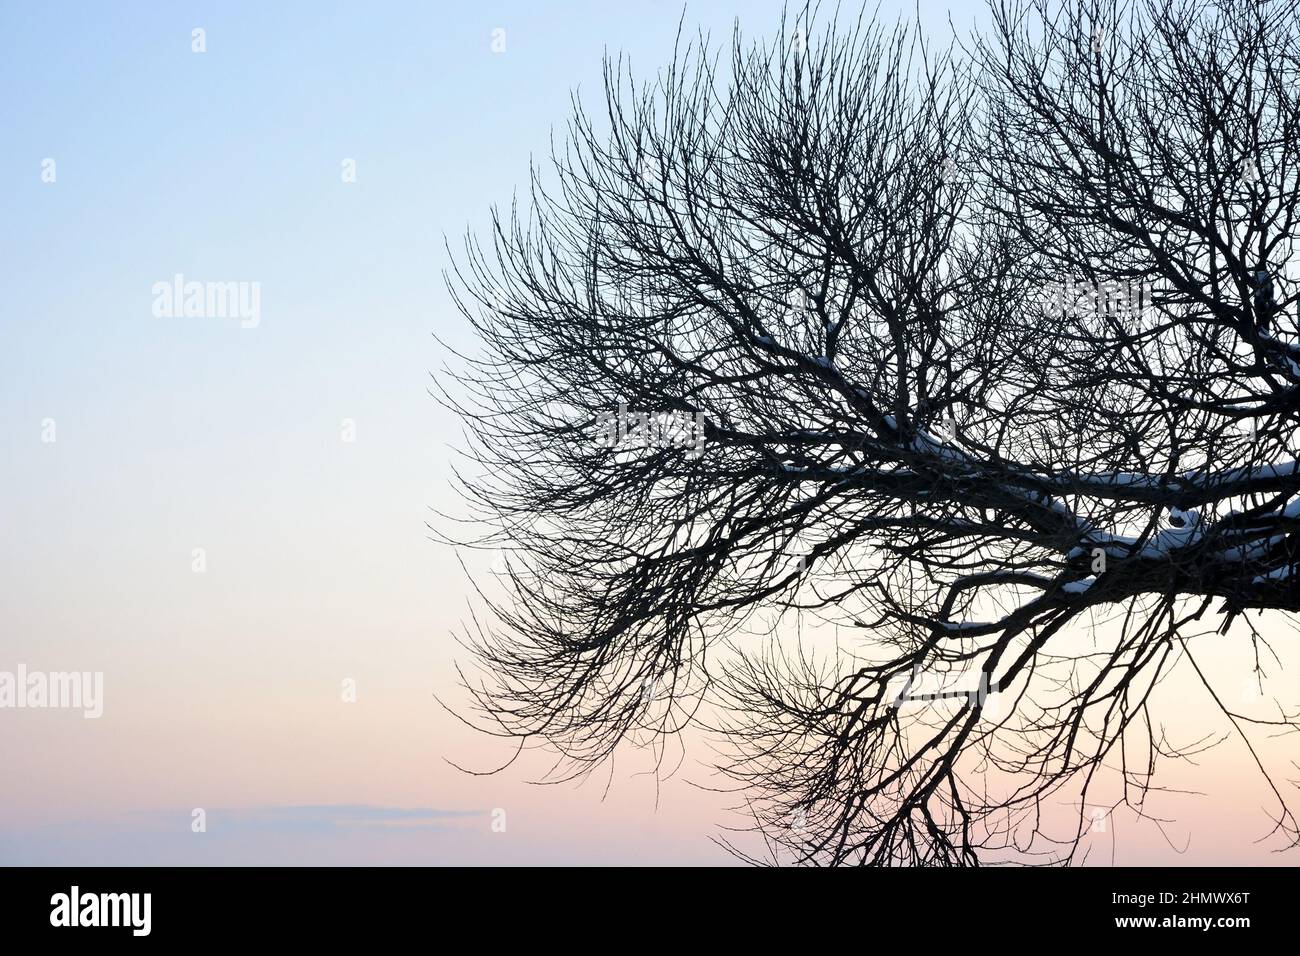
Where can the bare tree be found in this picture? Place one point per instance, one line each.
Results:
(986, 355)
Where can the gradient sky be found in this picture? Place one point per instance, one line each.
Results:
(222, 689)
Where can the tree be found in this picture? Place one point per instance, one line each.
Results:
(989, 345)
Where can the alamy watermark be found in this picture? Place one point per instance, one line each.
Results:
(77, 908)
(65, 690)
(632, 429)
(1107, 297)
(190, 299)
(922, 686)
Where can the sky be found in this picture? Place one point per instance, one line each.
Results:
(226, 516)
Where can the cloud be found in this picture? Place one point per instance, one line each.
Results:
(337, 816)
(310, 834)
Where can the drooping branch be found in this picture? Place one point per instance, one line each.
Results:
(952, 348)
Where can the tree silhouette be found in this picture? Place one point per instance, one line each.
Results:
(995, 356)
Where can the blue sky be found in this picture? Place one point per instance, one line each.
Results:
(175, 434)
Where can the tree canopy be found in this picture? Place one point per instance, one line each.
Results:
(994, 350)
